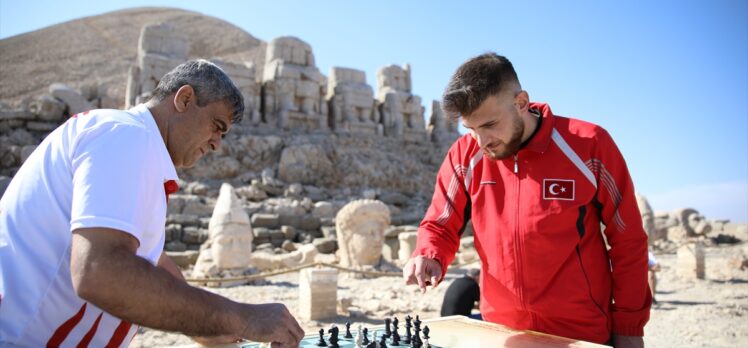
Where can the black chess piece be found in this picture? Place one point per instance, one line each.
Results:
(334, 331)
(348, 330)
(321, 342)
(387, 331)
(408, 335)
(416, 343)
(426, 335)
(395, 334)
(383, 342)
(366, 337)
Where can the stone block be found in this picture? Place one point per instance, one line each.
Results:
(183, 259)
(41, 126)
(690, 261)
(325, 245)
(173, 232)
(289, 232)
(47, 108)
(194, 235)
(75, 102)
(175, 245)
(183, 219)
(318, 293)
(265, 220)
(407, 245)
(17, 115)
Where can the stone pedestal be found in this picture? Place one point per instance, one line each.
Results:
(318, 293)
(691, 263)
(407, 245)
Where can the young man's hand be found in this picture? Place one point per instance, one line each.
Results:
(422, 271)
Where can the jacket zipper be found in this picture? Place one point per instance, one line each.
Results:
(518, 246)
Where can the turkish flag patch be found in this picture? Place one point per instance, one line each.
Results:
(558, 189)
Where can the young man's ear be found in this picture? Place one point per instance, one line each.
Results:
(522, 100)
(184, 97)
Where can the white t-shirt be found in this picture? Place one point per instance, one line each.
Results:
(103, 168)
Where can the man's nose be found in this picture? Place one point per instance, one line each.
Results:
(215, 143)
(482, 139)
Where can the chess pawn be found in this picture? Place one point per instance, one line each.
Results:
(365, 341)
(321, 342)
(359, 339)
(348, 330)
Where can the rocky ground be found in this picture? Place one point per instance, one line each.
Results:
(689, 313)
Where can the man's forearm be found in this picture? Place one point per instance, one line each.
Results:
(131, 288)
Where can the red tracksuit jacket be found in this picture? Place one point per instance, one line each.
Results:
(537, 221)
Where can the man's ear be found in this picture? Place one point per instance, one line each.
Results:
(522, 100)
(184, 97)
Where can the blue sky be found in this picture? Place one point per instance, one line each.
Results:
(667, 78)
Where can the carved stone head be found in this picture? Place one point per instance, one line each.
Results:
(230, 231)
(360, 227)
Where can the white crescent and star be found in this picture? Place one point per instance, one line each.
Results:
(553, 191)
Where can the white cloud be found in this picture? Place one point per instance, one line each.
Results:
(726, 200)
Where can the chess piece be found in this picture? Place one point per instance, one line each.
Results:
(333, 337)
(373, 343)
(395, 334)
(408, 335)
(387, 332)
(359, 339)
(321, 342)
(365, 341)
(426, 337)
(348, 330)
(383, 342)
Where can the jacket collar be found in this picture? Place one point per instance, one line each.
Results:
(541, 139)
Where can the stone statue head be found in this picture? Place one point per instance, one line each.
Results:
(230, 231)
(648, 219)
(360, 226)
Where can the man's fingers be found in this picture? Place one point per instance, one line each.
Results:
(420, 273)
(434, 281)
(296, 331)
(409, 273)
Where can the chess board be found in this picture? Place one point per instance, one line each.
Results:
(455, 332)
(310, 341)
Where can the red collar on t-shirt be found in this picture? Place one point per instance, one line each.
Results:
(170, 187)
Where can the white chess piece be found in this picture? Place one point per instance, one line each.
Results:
(359, 337)
(374, 339)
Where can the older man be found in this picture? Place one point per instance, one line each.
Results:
(82, 226)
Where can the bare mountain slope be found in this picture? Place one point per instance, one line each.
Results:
(99, 49)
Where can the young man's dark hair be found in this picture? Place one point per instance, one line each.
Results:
(476, 80)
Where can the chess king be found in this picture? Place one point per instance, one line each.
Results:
(537, 188)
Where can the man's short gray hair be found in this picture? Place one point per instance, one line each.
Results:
(210, 83)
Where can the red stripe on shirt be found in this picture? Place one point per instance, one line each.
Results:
(119, 334)
(90, 334)
(64, 330)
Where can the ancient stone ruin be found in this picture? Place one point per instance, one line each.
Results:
(360, 229)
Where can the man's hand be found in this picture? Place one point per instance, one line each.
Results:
(106, 272)
(271, 322)
(422, 271)
(620, 341)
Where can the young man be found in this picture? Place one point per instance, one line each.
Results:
(536, 187)
(82, 226)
